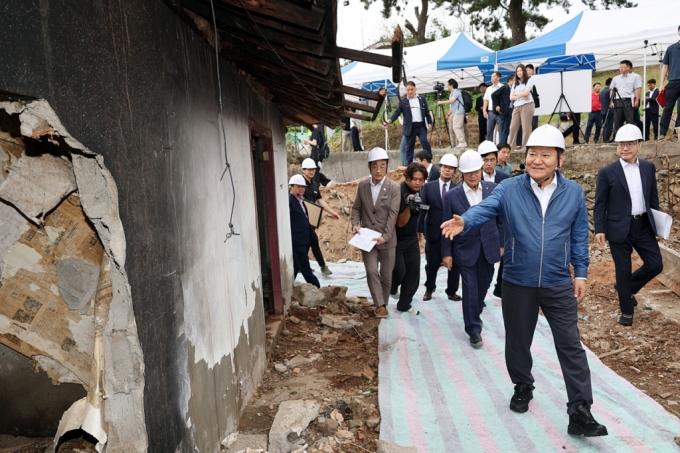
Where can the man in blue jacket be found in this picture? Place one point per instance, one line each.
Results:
(474, 253)
(300, 230)
(625, 195)
(546, 230)
(417, 121)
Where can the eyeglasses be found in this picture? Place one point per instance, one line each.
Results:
(490, 160)
(624, 145)
(378, 166)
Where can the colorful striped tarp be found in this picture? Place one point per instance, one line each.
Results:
(442, 396)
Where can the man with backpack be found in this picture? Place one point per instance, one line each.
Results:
(457, 114)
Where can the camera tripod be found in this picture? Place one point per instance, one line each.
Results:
(438, 114)
(628, 116)
(559, 106)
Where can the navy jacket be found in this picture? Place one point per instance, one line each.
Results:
(434, 173)
(430, 221)
(612, 199)
(653, 105)
(538, 249)
(501, 97)
(604, 101)
(500, 176)
(404, 107)
(299, 223)
(487, 236)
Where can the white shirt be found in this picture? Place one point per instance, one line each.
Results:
(487, 95)
(376, 188)
(544, 194)
(626, 85)
(441, 184)
(473, 196)
(415, 109)
(637, 196)
(489, 177)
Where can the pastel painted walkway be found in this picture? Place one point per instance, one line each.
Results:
(441, 396)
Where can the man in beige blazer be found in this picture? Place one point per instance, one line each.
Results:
(376, 206)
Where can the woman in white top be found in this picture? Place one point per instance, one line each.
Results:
(523, 110)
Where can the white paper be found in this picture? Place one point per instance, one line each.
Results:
(663, 223)
(364, 240)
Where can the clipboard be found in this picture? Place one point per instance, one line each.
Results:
(661, 99)
(314, 212)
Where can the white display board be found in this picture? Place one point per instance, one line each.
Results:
(575, 85)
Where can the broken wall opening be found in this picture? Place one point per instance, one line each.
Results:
(66, 317)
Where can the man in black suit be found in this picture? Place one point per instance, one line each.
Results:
(425, 159)
(300, 230)
(607, 114)
(489, 153)
(417, 120)
(479, 108)
(651, 110)
(432, 195)
(625, 194)
(503, 106)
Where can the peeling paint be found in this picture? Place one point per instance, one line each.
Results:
(21, 256)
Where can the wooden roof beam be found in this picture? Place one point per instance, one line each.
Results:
(359, 55)
(282, 10)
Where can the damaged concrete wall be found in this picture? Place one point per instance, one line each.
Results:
(139, 89)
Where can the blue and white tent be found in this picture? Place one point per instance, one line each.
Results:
(456, 57)
(599, 40)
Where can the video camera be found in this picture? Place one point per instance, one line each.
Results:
(415, 204)
(438, 86)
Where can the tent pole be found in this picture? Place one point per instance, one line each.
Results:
(387, 135)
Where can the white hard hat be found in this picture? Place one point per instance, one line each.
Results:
(449, 159)
(377, 154)
(487, 147)
(308, 163)
(546, 135)
(298, 180)
(470, 161)
(628, 133)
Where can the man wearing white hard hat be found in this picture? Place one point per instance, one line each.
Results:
(429, 221)
(313, 194)
(489, 153)
(474, 253)
(300, 230)
(625, 195)
(545, 223)
(376, 207)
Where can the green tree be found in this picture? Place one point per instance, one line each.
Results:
(494, 16)
(418, 31)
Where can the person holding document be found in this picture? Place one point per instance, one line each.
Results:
(376, 207)
(625, 196)
(299, 230)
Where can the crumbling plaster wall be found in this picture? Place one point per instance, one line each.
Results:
(137, 87)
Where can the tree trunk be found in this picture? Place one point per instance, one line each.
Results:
(517, 22)
(421, 15)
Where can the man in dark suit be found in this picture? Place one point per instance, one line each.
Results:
(625, 194)
(425, 159)
(476, 252)
(300, 230)
(479, 108)
(430, 219)
(502, 105)
(651, 110)
(417, 120)
(489, 153)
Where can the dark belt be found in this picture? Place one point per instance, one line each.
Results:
(638, 216)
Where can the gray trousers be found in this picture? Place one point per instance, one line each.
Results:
(379, 279)
(559, 306)
(346, 142)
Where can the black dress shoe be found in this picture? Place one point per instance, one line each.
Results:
(520, 400)
(428, 295)
(626, 320)
(582, 423)
(497, 291)
(455, 297)
(476, 341)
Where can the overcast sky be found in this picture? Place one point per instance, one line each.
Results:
(358, 27)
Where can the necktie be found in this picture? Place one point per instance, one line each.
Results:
(302, 205)
(443, 191)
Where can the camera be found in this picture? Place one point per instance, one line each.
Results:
(415, 204)
(438, 86)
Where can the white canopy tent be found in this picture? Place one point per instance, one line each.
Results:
(423, 65)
